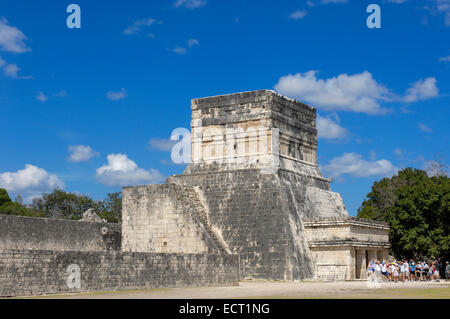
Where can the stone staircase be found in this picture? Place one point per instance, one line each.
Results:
(190, 200)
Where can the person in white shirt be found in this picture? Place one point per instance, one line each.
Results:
(425, 271)
(402, 272)
(406, 265)
(395, 272)
(377, 271)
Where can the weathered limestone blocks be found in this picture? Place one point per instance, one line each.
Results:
(91, 216)
(166, 218)
(35, 272)
(18, 232)
(342, 247)
(258, 219)
(252, 180)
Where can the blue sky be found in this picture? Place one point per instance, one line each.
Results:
(80, 106)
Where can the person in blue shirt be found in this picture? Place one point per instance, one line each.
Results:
(412, 270)
(371, 269)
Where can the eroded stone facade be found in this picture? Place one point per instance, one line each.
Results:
(342, 247)
(255, 175)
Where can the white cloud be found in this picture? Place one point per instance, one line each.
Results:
(398, 151)
(397, 1)
(190, 4)
(444, 59)
(424, 128)
(192, 42)
(12, 70)
(61, 93)
(11, 38)
(81, 153)
(2, 62)
(296, 15)
(114, 96)
(312, 3)
(179, 50)
(354, 165)
(161, 144)
(333, 1)
(439, 7)
(138, 25)
(357, 92)
(121, 171)
(30, 181)
(422, 90)
(41, 97)
(329, 129)
(444, 6)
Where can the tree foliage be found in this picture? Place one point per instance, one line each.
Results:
(61, 204)
(417, 208)
(7, 206)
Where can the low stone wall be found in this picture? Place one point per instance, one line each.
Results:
(18, 232)
(35, 272)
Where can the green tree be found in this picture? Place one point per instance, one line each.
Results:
(112, 208)
(4, 197)
(384, 193)
(7, 206)
(60, 204)
(417, 208)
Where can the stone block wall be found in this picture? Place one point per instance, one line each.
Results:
(164, 218)
(259, 219)
(346, 228)
(334, 263)
(17, 232)
(341, 247)
(252, 116)
(35, 272)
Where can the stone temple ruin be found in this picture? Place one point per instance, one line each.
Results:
(253, 188)
(252, 203)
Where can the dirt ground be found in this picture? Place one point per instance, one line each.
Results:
(283, 290)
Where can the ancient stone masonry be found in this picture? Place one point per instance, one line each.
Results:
(35, 272)
(252, 203)
(254, 167)
(36, 255)
(167, 218)
(24, 233)
(342, 247)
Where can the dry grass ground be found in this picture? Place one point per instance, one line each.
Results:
(282, 290)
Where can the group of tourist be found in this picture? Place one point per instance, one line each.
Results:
(406, 270)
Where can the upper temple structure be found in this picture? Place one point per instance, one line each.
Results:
(253, 188)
